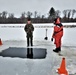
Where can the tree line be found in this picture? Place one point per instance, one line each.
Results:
(68, 16)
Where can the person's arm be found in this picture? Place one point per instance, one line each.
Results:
(57, 30)
(32, 28)
(52, 35)
(60, 29)
(54, 31)
(25, 28)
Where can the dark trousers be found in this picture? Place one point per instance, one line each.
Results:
(29, 41)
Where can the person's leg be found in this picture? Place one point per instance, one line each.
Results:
(31, 41)
(57, 45)
(57, 42)
(27, 41)
(60, 43)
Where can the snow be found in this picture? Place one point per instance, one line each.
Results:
(16, 32)
(13, 35)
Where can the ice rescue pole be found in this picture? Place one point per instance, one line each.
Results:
(46, 38)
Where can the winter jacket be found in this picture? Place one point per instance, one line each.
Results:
(58, 31)
(29, 30)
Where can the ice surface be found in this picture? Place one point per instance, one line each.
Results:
(16, 37)
(16, 32)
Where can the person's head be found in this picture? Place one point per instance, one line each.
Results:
(29, 21)
(57, 21)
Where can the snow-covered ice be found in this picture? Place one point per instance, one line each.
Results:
(16, 37)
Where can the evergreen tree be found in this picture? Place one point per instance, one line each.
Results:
(52, 13)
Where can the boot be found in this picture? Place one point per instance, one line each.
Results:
(57, 50)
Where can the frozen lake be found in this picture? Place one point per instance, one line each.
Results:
(13, 35)
(16, 32)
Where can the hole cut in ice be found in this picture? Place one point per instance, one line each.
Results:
(33, 53)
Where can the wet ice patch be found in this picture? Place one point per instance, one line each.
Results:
(34, 53)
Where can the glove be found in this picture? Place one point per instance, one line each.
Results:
(51, 39)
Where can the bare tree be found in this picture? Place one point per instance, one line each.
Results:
(4, 14)
(35, 14)
(39, 15)
(29, 14)
(23, 15)
(68, 14)
(58, 13)
(65, 13)
(73, 13)
(43, 16)
(0, 14)
(11, 15)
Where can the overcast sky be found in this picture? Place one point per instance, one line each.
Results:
(41, 6)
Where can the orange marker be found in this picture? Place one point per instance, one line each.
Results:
(62, 69)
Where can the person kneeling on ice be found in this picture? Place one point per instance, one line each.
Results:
(57, 34)
(29, 28)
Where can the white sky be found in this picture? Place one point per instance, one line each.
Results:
(41, 6)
